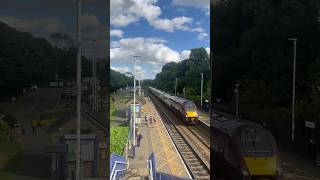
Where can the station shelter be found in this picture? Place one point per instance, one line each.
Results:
(129, 116)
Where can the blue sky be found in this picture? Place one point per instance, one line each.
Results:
(160, 31)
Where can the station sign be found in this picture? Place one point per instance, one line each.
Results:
(310, 124)
(87, 147)
(137, 107)
(53, 84)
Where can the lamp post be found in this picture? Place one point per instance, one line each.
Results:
(236, 90)
(139, 88)
(293, 87)
(201, 87)
(175, 87)
(78, 152)
(134, 99)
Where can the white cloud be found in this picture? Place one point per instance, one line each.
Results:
(153, 52)
(203, 4)
(117, 33)
(125, 12)
(140, 72)
(202, 35)
(185, 54)
(173, 24)
(122, 70)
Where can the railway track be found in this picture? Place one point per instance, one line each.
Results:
(193, 146)
(202, 131)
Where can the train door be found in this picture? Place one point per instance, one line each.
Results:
(231, 162)
(218, 145)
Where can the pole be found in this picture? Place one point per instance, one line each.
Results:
(96, 82)
(293, 88)
(201, 87)
(78, 157)
(92, 83)
(139, 88)
(237, 99)
(95, 85)
(134, 102)
(175, 88)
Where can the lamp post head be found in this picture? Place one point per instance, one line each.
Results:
(292, 39)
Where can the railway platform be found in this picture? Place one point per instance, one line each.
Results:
(204, 117)
(167, 157)
(156, 139)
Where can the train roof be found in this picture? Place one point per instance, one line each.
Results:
(177, 99)
(228, 123)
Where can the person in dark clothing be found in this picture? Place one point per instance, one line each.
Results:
(139, 138)
(150, 119)
(34, 125)
(154, 118)
(146, 117)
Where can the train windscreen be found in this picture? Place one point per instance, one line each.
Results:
(190, 106)
(256, 141)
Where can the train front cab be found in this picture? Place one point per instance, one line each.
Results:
(191, 112)
(250, 153)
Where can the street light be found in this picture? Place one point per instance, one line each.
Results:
(134, 99)
(293, 86)
(78, 89)
(236, 90)
(175, 87)
(201, 87)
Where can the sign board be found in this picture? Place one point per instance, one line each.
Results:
(53, 84)
(87, 146)
(87, 150)
(137, 108)
(310, 124)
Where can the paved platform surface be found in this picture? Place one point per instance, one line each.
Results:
(204, 116)
(167, 157)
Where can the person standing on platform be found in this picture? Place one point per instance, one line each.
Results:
(139, 137)
(146, 117)
(34, 125)
(154, 118)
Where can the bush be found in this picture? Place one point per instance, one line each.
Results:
(5, 131)
(118, 139)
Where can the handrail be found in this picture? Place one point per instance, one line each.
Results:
(113, 172)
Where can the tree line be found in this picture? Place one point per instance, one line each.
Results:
(187, 72)
(26, 60)
(251, 47)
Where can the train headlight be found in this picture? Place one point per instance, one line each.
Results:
(244, 172)
(279, 171)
